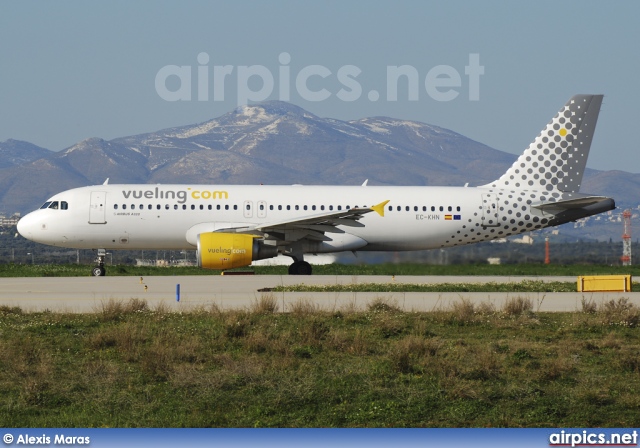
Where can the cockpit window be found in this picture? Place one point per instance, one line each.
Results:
(56, 205)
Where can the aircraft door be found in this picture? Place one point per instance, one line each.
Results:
(247, 209)
(97, 208)
(490, 210)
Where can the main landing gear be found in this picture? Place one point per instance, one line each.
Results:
(100, 271)
(299, 266)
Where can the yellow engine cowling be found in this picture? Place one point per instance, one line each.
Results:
(230, 250)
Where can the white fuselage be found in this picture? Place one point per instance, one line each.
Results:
(161, 216)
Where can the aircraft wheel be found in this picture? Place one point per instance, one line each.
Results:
(98, 271)
(300, 268)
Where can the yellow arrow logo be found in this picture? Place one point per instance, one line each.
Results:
(379, 209)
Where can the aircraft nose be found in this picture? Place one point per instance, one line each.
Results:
(27, 225)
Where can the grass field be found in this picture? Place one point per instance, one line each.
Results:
(129, 366)
(523, 286)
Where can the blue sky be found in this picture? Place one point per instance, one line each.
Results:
(74, 69)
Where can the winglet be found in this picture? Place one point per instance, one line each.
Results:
(379, 209)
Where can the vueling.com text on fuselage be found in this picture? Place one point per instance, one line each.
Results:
(180, 196)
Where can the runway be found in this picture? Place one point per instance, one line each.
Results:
(89, 294)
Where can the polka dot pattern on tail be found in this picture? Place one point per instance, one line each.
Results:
(556, 159)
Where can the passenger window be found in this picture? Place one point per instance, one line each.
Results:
(313, 207)
(458, 208)
(124, 206)
(262, 207)
(331, 207)
(115, 206)
(305, 207)
(407, 208)
(415, 208)
(279, 207)
(248, 207)
(184, 206)
(150, 207)
(424, 208)
(218, 207)
(210, 207)
(339, 207)
(175, 207)
(226, 207)
(133, 206)
(158, 206)
(166, 206)
(450, 208)
(288, 207)
(297, 207)
(433, 209)
(235, 207)
(399, 208)
(390, 208)
(201, 207)
(322, 207)
(441, 208)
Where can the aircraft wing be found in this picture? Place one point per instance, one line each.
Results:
(312, 226)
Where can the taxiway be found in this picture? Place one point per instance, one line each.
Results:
(90, 294)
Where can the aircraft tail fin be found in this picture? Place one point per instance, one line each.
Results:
(556, 159)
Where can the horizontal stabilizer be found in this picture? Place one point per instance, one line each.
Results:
(570, 204)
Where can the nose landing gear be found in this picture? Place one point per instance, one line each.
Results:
(100, 271)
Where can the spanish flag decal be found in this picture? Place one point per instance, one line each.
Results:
(448, 217)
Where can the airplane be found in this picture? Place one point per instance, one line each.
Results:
(233, 225)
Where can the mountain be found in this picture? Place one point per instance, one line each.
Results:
(271, 143)
(279, 143)
(17, 152)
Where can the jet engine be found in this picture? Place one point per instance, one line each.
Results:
(231, 250)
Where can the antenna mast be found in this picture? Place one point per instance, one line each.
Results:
(626, 239)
